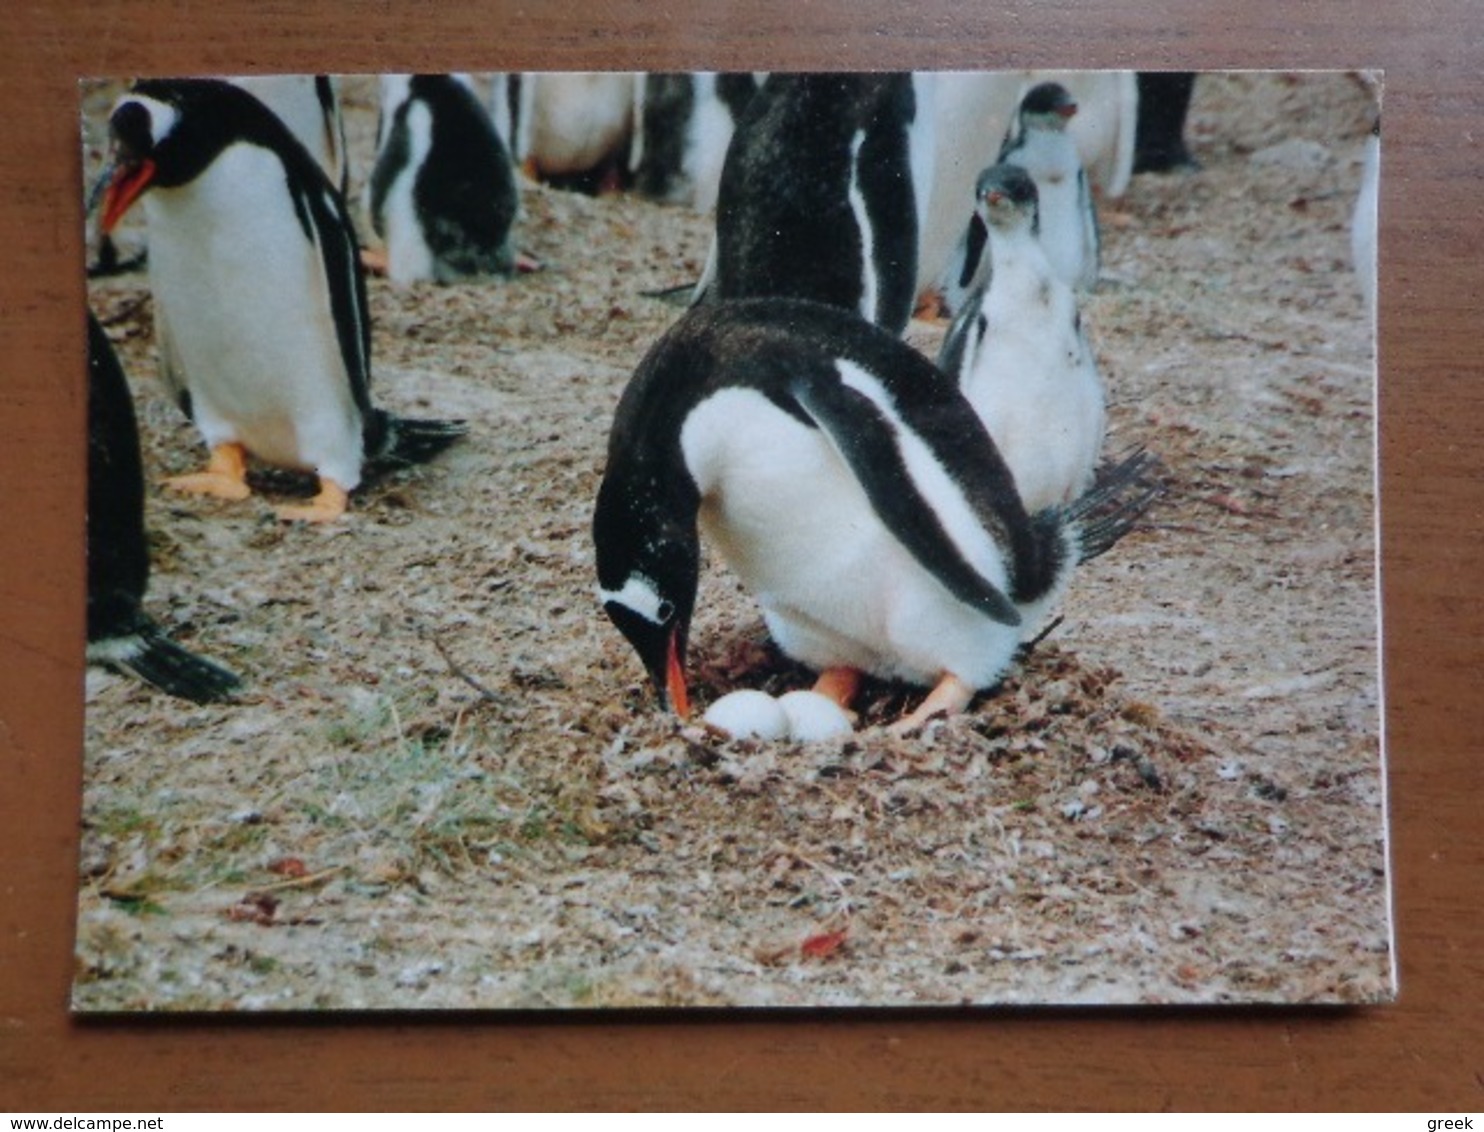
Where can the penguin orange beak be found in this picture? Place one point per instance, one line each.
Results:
(124, 188)
(1068, 111)
(675, 678)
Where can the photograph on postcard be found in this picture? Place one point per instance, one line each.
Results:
(661, 540)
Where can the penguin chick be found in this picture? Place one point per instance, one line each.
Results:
(823, 194)
(120, 634)
(851, 488)
(443, 193)
(1017, 353)
(260, 304)
(1039, 144)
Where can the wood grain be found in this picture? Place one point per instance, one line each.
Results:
(1426, 1052)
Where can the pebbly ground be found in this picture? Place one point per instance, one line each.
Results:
(445, 787)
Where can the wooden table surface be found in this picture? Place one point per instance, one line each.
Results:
(1424, 1053)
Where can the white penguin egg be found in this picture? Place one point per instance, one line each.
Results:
(748, 714)
(812, 717)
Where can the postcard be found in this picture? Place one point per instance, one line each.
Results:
(710, 540)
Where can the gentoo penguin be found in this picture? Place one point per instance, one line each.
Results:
(682, 126)
(574, 126)
(443, 193)
(823, 194)
(1105, 127)
(1363, 222)
(851, 488)
(1017, 353)
(1164, 101)
(1039, 144)
(120, 634)
(308, 106)
(259, 298)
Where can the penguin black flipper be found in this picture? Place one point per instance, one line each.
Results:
(976, 239)
(859, 422)
(969, 325)
(120, 634)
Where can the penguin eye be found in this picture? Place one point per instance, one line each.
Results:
(665, 611)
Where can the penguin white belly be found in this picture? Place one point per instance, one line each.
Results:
(708, 135)
(250, 323)
(1061, 230)
(576, 120)
(409, 258)
(970, 110)
(1051, 160)
(1035, 386)
(295, 99)
(835, 585)
(1103, 130)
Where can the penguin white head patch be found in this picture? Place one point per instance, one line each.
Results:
(161, 116)
(639, 596)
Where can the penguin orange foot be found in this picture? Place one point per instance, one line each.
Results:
(225, 476)
(331, 503)
(374, 260)
(839, 684)
(261, 315)
(950, 697)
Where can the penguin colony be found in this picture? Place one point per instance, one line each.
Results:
(893, 517)
(809, 444)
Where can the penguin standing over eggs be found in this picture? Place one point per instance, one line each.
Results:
(1017, 352)
(824, 193)
(264, 330)
(851, 488)
(1039, 144)
(443, 192)
(120, 634)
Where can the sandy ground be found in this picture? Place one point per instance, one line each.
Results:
(445, 785)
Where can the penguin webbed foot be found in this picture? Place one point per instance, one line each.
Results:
(374, 261)
(950, 697)
(327, 506)
(839, 684)
(225, 476)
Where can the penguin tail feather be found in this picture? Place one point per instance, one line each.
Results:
(1112, 507)
(413, 440)
(154, 658)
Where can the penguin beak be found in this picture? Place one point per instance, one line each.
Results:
(1067, 111)
(675, 689)
(125, 184)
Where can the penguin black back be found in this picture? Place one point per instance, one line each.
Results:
(809, 151)
(118, 559)
(464, 191)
